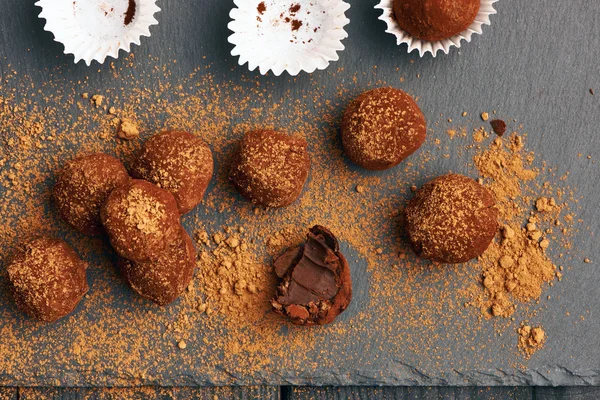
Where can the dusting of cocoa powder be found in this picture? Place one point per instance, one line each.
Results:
(412, 310)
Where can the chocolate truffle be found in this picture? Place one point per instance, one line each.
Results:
(141, 220)
(270, 168)
(47, 278)
(164, 279)
(315, 282)
(451, 219)
(178, 162)
(434, 20)
(83, 185)
(382, 127)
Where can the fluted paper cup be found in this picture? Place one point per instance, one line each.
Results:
(95, 29)
(284, 35)
(424, 46)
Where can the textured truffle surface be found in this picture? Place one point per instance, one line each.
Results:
(434, 20)
(47, 278)
(270, 168)
(165, 278)
(315, 285)
(451, 219)
(382, 127)
(178, 162)
(141, 220)
(83, 185)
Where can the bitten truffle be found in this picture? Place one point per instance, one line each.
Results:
(451, 219)
(315, 284)
(47, 278)
(270, 168)
(83, 185)
(178, 162)
(435, 20)
(382, 127)
(165, 278)
(141, 220)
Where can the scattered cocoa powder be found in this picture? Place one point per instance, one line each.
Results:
(224, 318)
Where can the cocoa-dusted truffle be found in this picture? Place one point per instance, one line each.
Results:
(178, 162)
(451, 219)
(315, 282)
(83, 185)
(270, 168)
(47, 278)
(382, 127)
(434, 20)
(141, 220)
(164, 279)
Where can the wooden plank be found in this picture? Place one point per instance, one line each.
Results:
(148, 393)
(567, 393)
(214, 393)
(142, 393)
(406, 393)
(8, 393)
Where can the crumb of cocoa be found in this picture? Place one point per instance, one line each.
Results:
(296, 24)
(130, 13)
(591, 91)
(127, 129)
(531, 339)
(97, 100)
(499, 126)
(295, 8)
(262, 8)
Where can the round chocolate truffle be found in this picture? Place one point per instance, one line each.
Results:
(434, 20)
(270, 168)
(451, 219)
(47, 278)
(83, 185)
(315, 284)
(141, 220)
(382, 127)
(164, 279)
(178, 162)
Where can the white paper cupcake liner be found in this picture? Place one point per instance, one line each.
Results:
(423, 46)
(288, 35)
(95, 29)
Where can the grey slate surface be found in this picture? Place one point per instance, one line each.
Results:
(536, 63)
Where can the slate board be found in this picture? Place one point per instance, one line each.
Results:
(536, 63)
